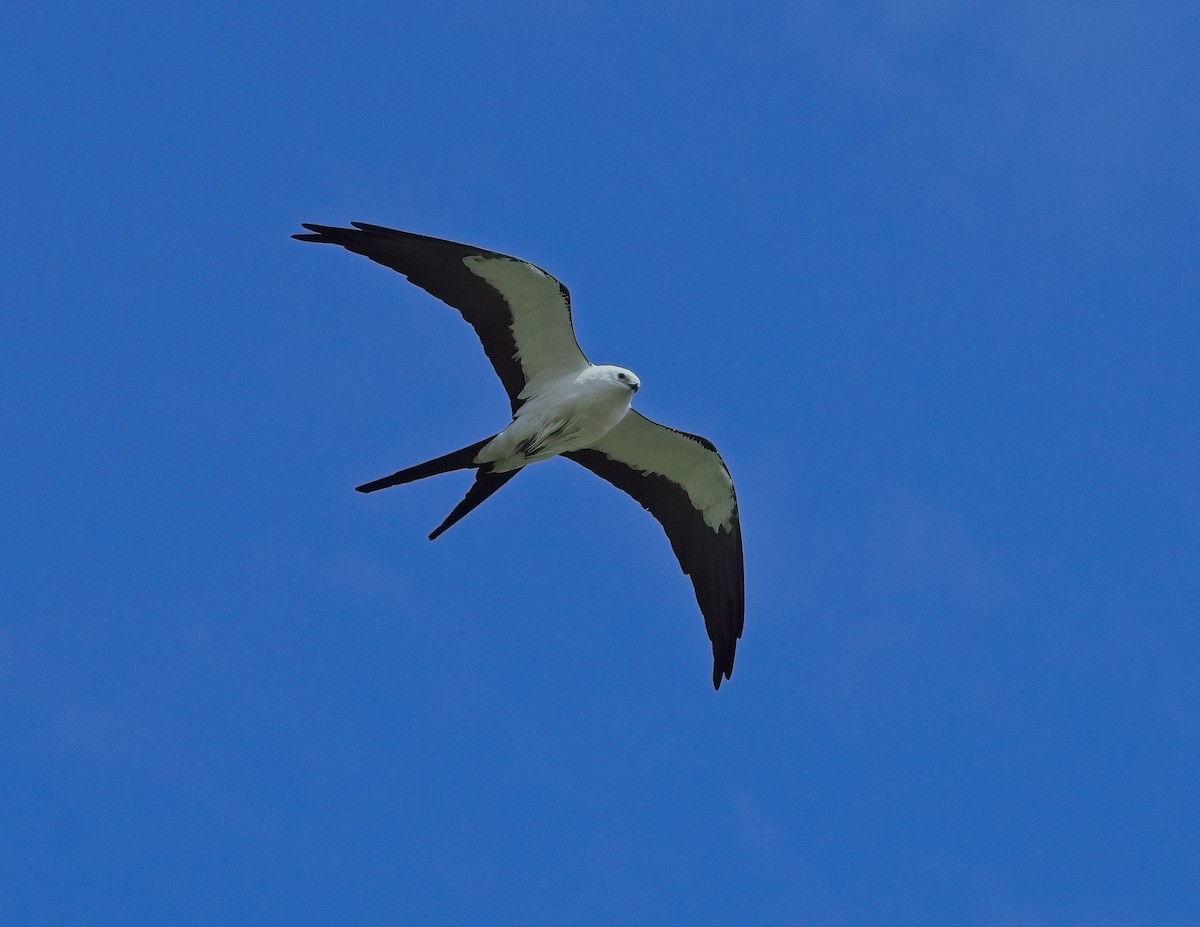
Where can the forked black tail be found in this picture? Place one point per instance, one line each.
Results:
(485, 483)
(462, 459)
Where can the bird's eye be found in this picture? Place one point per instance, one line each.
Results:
(621, 376)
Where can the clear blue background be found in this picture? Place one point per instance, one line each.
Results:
(927, 272)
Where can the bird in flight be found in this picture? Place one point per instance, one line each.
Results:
(564, 405)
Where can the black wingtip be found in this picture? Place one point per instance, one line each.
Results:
(359, 231)
(377, 229)
(322, 234)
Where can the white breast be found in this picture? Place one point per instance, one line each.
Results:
(565, 414)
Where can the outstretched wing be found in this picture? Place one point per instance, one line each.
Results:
(521, 314)
(683, 482)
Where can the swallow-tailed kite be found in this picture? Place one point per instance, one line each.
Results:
(562, 404)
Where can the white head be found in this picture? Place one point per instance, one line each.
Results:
(618, 376)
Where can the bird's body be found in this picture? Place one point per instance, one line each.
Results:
(564, 405)
(568, 413)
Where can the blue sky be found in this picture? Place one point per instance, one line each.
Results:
(925, 272)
